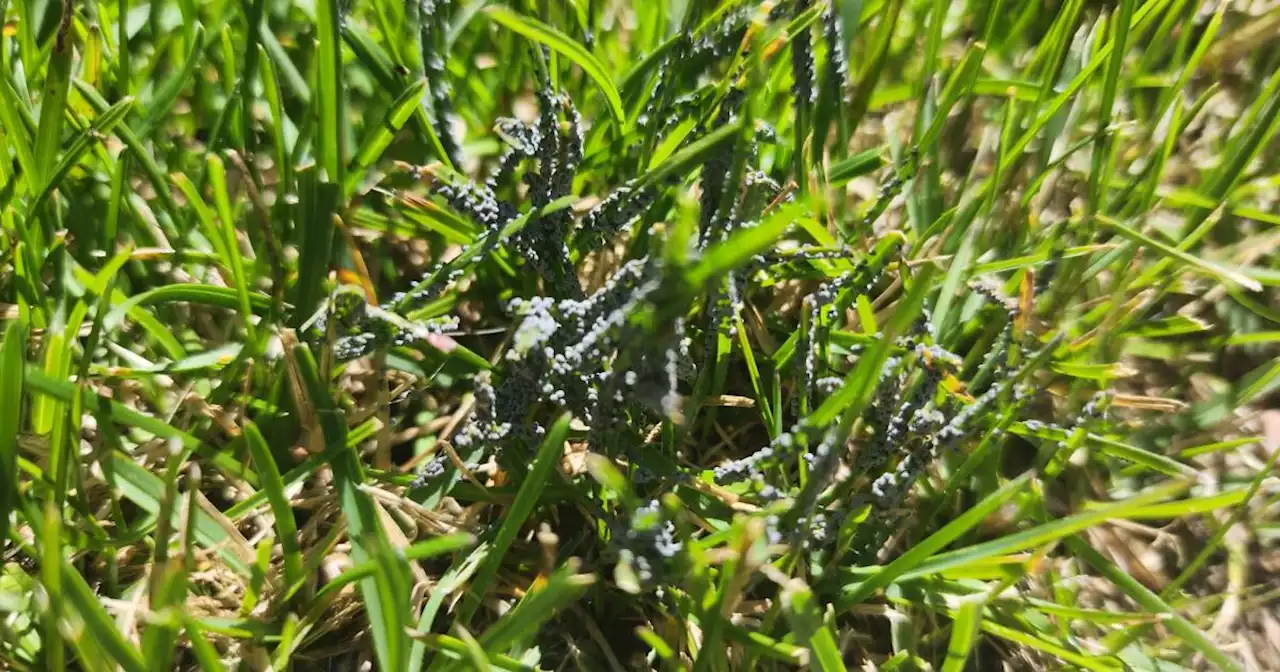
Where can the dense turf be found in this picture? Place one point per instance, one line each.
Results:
(455, 334)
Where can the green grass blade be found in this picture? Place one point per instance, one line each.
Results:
(16, 133)
(330, 95)
(53, 100)
(206, 655)
(208, 295)
(100, 629)
(1030, 538)
(1099, 172)
(693, 155)
(274, 488)
(802, 611)
(102, 125)
(205, 216)
(544, 465)
(147, 491)
(12, 373)
(317, 228)
(937, 541)
(964, 634)
(1153, 604)
(862, 163)
(538, 606)
(137, 149)
(562, 44)
(419, 551)
(161, 104)
(1174, 253)
(853, 396)
(382, 134)
(231, 243)
(742, 245)
(277, 119)
(386, 593)
(64, 390)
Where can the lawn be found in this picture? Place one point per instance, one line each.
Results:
(676, 335)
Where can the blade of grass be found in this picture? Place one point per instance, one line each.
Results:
(419, 551)
(1152, 604)
(16, 133)
(317, 226)
(53, 100)
(744, 244)
(1030, 538)
(147, 491)
(549, 454)
(231, 243)
(937, 541)
(386, 593)
(563, 587)
(564, 45)
(1103, 140)
(278, 120)
(1175, 253)
(330, 96)
(381, 135)
(99, 627)
(12, 373)
(695, 154)
(62, 389)
(964, 634)
(802, 611)
(160, 105)
(274, 489)
(102, 125)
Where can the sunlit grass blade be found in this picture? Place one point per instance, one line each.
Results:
(538, 606)
(939, 540)
(1027, 539)
(208, 295)
(1101, 167)
(964, 634)
(393, 77)
(386, 592)
(100, 629)
(64, 390)
(137, 149)
(1186, 258)
(740, 247)
(281, 512)
(1152, 603)
(853, 396)
(12, 373)
(16, 134)
(862, 163)
(317, 230)
(562, 44)
(330, 94)
(419, 551)
(544, 465)
(53, 100)
(205, 653)
(101, 125)
(694, 154)
(802, 611)
(382, 134)
(160, 104)
(231, 243)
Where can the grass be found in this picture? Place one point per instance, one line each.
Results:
(465, 334)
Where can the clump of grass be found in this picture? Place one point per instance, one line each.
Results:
(700, 335)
